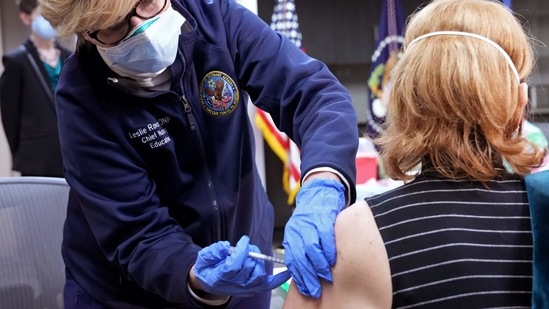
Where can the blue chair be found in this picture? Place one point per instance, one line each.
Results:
(32, 213)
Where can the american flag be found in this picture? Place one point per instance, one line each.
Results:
(284, 20)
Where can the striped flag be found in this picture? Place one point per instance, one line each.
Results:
(388, 46)
(284, 20)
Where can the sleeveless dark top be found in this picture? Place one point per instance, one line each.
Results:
(457, 243)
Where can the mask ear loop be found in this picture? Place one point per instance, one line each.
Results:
(476, 36)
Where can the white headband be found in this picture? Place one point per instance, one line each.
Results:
(476, 36)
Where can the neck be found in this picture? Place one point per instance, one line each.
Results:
(41, 43)
(46, 50)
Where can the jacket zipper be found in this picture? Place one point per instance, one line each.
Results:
(187, 109)
(192, 122)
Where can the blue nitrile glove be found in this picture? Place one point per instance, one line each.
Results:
(221, 272)
(309, 239)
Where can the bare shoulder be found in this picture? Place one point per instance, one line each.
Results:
(362, 277)
(356, 214)
(362, 264)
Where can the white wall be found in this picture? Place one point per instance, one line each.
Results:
(5, 157)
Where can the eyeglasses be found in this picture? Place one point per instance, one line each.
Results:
(144, 9)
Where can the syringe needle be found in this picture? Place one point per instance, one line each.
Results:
(261, 256)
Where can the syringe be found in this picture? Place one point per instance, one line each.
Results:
(261, 256)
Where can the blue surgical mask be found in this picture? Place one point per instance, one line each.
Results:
(42, 28)
(149, 49)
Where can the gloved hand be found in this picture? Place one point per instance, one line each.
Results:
(309, 239)
(221, 272)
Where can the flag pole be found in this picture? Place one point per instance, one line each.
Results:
(252, 111)
(388, 43)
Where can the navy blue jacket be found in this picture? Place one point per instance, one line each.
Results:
(156, 176)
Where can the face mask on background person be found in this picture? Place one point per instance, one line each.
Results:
(42, 28)
(149, 49)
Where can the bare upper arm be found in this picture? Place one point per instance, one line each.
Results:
(362, 277)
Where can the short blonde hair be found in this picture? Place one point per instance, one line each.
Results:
(455, 101)
(76, 16)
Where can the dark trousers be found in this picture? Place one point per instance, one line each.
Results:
(75, 297)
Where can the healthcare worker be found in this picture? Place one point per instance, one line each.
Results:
(159, 153)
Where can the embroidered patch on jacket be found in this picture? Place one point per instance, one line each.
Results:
(218, 94)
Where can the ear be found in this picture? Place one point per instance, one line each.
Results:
(522, 101)
(523, 94)
(25, 18)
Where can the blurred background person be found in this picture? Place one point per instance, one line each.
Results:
(26, 97)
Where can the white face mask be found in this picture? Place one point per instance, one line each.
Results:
(149, 53)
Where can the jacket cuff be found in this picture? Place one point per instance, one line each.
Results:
(207, 298)
(341, 178)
